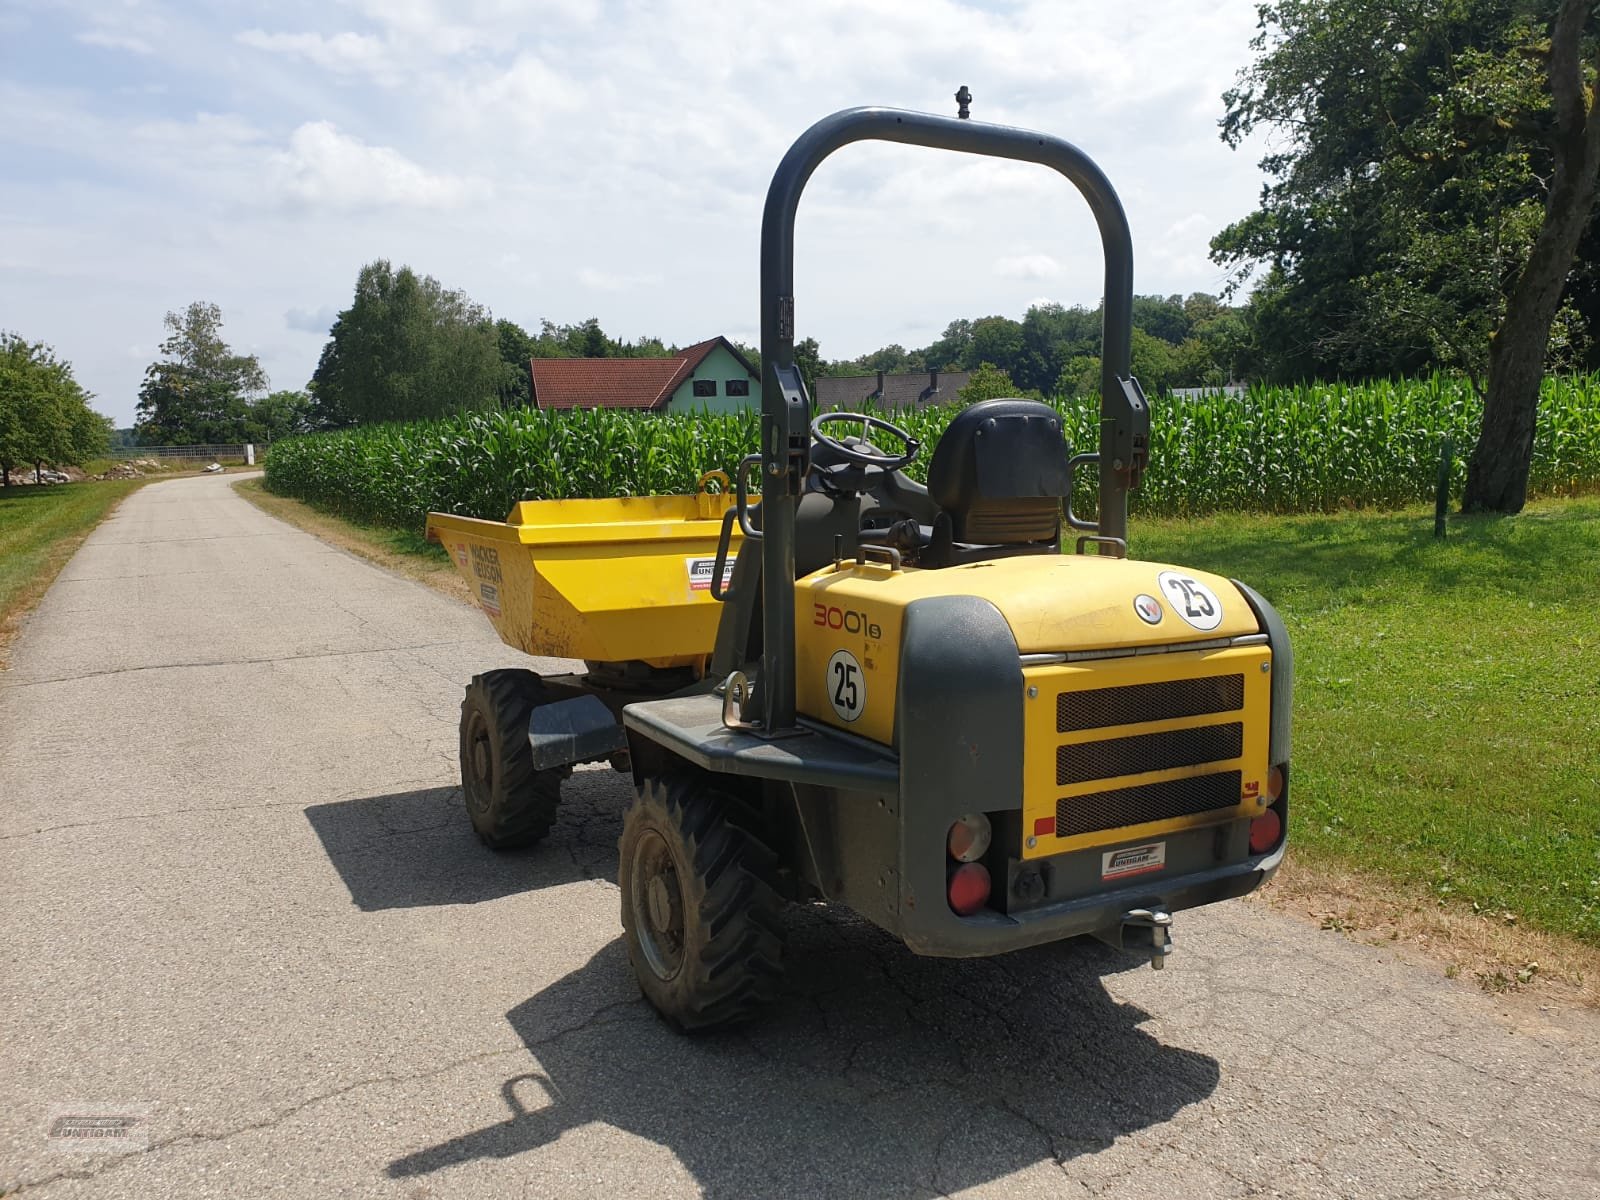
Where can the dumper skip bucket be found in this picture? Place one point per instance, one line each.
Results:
(602, 580)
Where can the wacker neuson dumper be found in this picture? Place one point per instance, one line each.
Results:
(914, 701)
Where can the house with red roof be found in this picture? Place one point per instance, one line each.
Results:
(711, 376)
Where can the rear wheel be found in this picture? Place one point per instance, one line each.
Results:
(509, 802)
(699, 912)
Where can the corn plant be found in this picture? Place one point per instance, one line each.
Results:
(1314, 447)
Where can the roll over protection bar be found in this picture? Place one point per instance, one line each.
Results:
(786, 408)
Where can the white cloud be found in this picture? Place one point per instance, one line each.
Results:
(110, 39)
(343, 52)
(326, 169)
(1027, 266)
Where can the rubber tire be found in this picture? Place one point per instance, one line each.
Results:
(516, 805)
(731, 964)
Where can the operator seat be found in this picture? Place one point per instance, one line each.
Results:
(998, 476)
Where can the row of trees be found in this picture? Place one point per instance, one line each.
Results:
(1196, 341)
(45, 418)
(408, 347)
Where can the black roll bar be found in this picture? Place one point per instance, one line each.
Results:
(785, 407)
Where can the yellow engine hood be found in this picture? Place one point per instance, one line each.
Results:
(1060, 602)
(848, 620)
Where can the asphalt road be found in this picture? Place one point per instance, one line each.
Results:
(241, 908)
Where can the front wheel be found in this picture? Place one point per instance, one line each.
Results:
(699, 912)
(511, 804)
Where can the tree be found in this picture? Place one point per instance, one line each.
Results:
(1162, 317)
(808, 358)
(44, 414)
(407, 348)
(278, 415)
(199, 392)
(1156, 365)
(1051, 337)
(1434, 172)
(517, 349)
(995, 340)
(988, 382)
(1497, 474)
(951, 350)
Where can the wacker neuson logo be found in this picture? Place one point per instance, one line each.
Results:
(98, 1128)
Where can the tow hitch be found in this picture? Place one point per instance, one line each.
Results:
(1150, 931)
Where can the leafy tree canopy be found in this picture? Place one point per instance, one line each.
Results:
(199, 392)
(45, 418)
(407, 348)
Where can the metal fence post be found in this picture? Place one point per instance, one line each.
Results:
(1441, 499)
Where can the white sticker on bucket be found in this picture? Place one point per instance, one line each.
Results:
(702, 569)
(489, 597)
(1133, 860)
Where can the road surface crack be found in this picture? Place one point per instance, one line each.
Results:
(229, 662)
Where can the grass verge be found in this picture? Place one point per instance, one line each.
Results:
(40, 529)
(1447, 721)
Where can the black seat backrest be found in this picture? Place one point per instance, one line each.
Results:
(1000, 471)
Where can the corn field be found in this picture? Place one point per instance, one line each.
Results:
(1307, 448)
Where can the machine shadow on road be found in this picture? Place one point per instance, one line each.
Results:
(878, 1074)
(416, 849)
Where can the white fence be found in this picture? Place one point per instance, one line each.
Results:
(245, 452)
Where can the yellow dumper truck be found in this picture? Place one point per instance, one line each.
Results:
(933, 704)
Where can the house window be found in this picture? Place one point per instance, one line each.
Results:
(736, 387)
(705, 387)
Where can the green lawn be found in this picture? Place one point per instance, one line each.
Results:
(1447, 706)
(39, 529)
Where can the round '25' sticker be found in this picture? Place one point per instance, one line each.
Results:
(847, 685)
(1190, 599)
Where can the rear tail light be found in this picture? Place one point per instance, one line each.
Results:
(969, 838)
(969, 888)
(1274, 784)
(1265, 831)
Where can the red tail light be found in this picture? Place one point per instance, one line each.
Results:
(1265, 831)
(969, 888)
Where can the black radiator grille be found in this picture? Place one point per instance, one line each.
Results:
(1149, 752)
(1098, 708)
(1147, 802)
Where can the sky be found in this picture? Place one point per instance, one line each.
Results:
(574, 158)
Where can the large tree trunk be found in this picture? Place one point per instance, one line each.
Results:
(1497, 474)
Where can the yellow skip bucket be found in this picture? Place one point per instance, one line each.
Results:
(604, 580)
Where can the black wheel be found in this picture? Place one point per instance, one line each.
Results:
(699, 911)
(509, 802)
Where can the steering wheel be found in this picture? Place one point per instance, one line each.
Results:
(864, 453)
